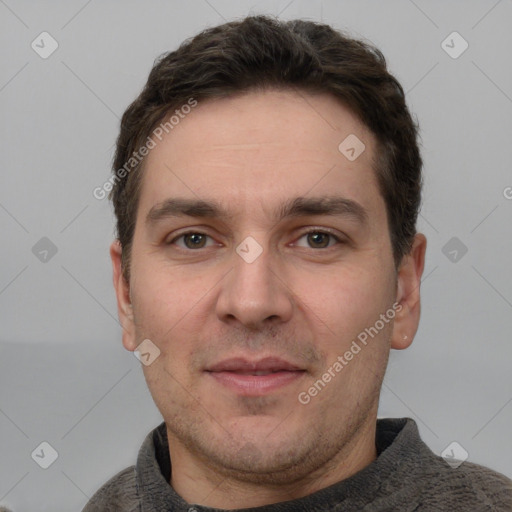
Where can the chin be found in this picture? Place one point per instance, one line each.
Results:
(263, 464)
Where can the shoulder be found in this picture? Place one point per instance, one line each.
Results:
(119, 494)
(430, 481)
(490, 487)
(471, 485)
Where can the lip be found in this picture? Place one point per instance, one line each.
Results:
(255, 378)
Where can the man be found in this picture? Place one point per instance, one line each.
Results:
(266, 185)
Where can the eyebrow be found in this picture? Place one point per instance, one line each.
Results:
(296, 207)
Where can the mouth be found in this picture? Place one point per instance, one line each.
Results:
(255, 378)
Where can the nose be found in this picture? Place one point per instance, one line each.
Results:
(254, 294)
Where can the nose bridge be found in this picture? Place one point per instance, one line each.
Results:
(252, 292)
(253, 264)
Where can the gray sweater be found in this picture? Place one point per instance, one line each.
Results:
(406, 476)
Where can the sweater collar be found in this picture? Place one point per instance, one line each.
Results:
(397, 440)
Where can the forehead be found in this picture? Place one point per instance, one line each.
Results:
(255, 151)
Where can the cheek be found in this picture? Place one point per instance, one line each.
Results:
(343, 303)
(162, 305)
(164, 313)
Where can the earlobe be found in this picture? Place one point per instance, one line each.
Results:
(403, 328)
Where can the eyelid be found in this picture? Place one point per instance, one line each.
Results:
(177, 236)
(340, 239)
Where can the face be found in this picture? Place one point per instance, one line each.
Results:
(253, 294)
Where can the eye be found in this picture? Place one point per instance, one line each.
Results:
(316, 239)
(319, 239)
(191, 240)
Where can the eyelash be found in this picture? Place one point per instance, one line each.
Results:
(316, 231)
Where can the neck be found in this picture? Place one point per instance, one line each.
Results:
(203, 483)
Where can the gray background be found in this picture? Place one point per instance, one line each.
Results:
(65, 377)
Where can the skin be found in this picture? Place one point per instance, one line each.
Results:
(304, 299)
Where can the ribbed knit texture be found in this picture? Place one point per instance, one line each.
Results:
(406, 477)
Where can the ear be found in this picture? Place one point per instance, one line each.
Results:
(124, 305)
(407, 317)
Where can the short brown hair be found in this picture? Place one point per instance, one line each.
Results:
(260, 52)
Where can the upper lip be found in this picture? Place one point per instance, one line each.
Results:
(267, 364)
